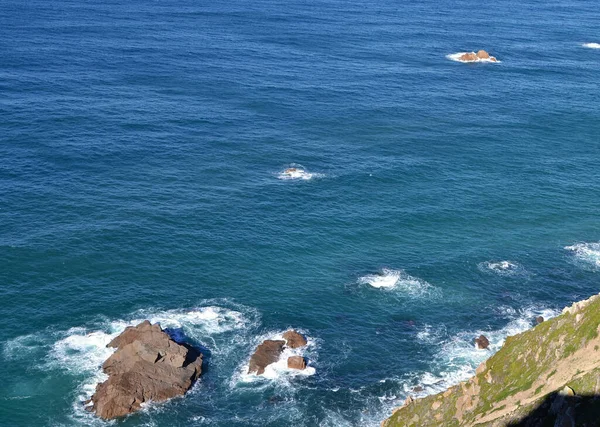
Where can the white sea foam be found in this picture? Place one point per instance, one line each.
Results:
(456, 57)
(592, 45)
(297, 172)
(458, 358)
(399, 280)
(502, 268)
(586, 254)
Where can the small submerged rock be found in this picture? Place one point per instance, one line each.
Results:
(482, 342)
(147, 366)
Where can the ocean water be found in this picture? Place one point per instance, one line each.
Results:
(142, 146)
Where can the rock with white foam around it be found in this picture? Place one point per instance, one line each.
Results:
(147, 366)
(266, 353)
(482, 342)
(481, 55)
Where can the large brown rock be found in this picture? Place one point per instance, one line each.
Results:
(296, 362)
(147, 366)
(266, 353)
(294, 339)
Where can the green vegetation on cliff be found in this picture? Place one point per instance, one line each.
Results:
(550, 373)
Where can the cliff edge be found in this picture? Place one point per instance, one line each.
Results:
(546, 376)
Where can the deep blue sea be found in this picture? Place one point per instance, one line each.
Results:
(142, 150)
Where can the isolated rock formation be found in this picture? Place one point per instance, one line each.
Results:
(266, 353)
(482, 342)
(147, 366)
(294, 339)
(473, 57)
(296, 362)
(539, 319)
(546, 376)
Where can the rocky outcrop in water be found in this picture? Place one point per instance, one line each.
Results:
(546, 376)
(147, 366)
(479, 56)
(266, 353)
(270, 351)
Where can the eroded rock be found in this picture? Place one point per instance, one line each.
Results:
(147, 366)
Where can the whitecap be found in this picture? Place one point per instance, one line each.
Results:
(586, 254)
(456, 57)
(297, 172)
(502, 268)
(592, 45)
(399, 280)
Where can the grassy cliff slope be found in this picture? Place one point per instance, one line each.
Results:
(548, 375)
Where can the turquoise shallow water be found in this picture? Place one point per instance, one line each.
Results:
(140, 150)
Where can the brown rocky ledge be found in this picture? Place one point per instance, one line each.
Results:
(147, 366)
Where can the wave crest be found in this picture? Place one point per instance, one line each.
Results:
(586, 255)
(398, 280)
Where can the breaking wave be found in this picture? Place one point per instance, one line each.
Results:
(586, 255)
(297, 172)
(398, 280)
(591, 45)
(502, 268)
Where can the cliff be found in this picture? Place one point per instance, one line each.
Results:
(546, 376)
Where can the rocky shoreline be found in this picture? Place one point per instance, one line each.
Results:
(548, 375)
(553, 365)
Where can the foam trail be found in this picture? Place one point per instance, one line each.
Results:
(398, 279)
(591, 45)
(502, 268)
(586, 254)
